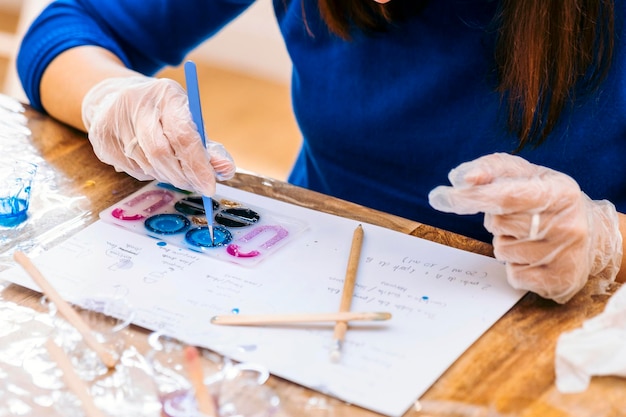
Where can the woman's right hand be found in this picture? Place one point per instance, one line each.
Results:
(143, 126)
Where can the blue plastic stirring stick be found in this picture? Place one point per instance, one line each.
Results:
(191, 79)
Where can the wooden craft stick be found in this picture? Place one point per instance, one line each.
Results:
(348, 290)
(204, 399)
(267, 319)
(72, 380)
(65, 309)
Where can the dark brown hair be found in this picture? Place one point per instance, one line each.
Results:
(545, 51)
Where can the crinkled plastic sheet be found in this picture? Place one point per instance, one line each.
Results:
(33, 385)
(52, 216)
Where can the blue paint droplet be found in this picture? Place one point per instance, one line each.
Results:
(161, 243)
(425, 297)
(235, 310)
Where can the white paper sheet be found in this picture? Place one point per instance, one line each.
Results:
(442, 300)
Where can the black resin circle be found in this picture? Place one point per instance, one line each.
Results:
(193, 206)
(237, 217)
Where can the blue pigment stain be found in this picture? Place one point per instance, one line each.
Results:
(235, 310)
(425, 297)
(247, 348)
(161, 243)
(171, 187)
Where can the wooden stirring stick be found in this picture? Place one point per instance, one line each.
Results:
(348, 290)
(72, 380)
(206, 406)
(65, 309)
(295, 318)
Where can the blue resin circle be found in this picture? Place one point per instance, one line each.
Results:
(201, 237)
(167, 224)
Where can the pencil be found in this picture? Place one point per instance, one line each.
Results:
(348, 290)
(72, 380)
(268, 319)
(65, 309)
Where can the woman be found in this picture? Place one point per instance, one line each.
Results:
(389, 96)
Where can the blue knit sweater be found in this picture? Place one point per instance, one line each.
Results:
(384, 117)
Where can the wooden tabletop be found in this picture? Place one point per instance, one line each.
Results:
(509, 371)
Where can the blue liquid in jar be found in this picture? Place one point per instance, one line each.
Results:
(12, 211)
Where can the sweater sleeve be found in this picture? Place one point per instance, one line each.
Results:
(146, 36)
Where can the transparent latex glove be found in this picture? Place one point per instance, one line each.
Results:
(550, 234)
(143, 126)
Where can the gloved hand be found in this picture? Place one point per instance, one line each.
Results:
(550, 234)
(143, 126)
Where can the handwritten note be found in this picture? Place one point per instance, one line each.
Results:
(442, 300)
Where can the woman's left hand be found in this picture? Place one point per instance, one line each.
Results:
(550, 234)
